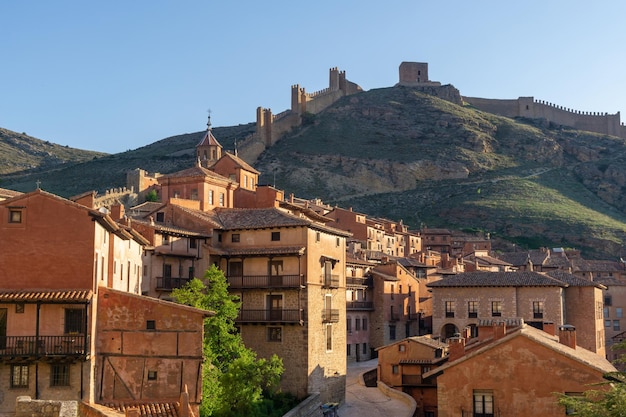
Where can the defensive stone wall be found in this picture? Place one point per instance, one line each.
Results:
(598, 122)
(27, 407)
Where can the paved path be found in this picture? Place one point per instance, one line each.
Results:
(362, 401)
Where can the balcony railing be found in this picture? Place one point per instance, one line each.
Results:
(33, 346)
(330, 281)
(330, 315)
(169, 283)
(360, 281)
(270, 316)
(265, 281)
(359, 305)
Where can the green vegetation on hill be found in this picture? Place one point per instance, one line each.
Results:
(401, 154)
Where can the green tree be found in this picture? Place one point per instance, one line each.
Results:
(151, 195)
(235, 382)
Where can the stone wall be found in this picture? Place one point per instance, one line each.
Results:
(598, 122)
(27, 407)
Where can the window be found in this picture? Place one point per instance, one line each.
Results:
(364, 323)
(606, 312)
(618, 312)
(194, 194)
(19, 308)
(472, 309)
(236, 237)
(349, 324)
(496, 308)
(275, 236)
(211, 197)
(19, 376)
(221, 199)
(349, 351)
(329, 337)
(537, 309)
(392, 332)
(152, 375)
(607, 300)
(402, 348)
(274, 334)
(74, 320)
(150, 324)
(395, 369)
(59, 375)
(338, 242)
(483, 403)
(235, 268)
(357, 324)
(607, 323)
(193, 243)
(15, 216)
(160, 217)
(615, 324)
(449, 309)
(318, 236)
(364, 348)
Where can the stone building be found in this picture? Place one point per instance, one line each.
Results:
(401, 365)
(515, 372)
(462, 300)
(77, 266)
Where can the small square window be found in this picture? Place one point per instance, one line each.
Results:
(317, 236)
(60, 375)
(160, 217)
(235, 237)
(275, 334)
(152, 375)
(19, 308)
(15, 216)
(402, 348)
(151, 325)
(19, 376)
(395, 369)
(275, 236)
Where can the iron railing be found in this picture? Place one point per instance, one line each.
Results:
(359, 305)
(43, 345)
(270, 316)
(330, 315)
(169, 283)
(265, 281)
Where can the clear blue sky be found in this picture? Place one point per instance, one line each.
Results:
(117, 75)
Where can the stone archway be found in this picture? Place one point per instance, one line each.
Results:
(448, 331)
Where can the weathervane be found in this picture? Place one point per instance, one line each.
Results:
(208, 125)
(38, 183)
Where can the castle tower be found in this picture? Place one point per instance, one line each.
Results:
(209, 150)
(414, 73)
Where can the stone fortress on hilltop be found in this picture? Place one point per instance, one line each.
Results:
(271, 127)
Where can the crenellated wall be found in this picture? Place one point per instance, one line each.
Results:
(603, 123)
(271, 127)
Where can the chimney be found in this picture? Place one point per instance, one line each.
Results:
(456, 347)
(567, 335)
(499, 329)
(550, 328)
(117, 212)
(291, 198)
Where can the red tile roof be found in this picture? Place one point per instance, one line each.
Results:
(46, 296)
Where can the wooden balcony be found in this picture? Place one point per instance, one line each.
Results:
(265, 281)
(270, 316)
(360, 305)
(411, 380)
(169, 283)
(26, 347)
(359, 281)
(330, 281)
(330, 315)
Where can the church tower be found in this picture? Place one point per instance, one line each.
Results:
(209, 150)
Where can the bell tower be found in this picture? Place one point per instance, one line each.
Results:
(209, 150)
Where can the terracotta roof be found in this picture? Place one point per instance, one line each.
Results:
(4, 193)
(579, 354)
(485, 260)
(169, 230)
(208, 140)
(597, 266)
(240, 162)
(195, 171)
(46, 296)
(499, 279)
(150, 409)
(573, 280)
(537, 257)
(386, 277)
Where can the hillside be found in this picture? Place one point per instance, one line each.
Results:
(400, 154)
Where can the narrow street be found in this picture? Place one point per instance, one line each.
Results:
(362, 401)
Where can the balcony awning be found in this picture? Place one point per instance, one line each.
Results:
(47, 296)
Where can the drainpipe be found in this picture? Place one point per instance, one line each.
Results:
(37, 347)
